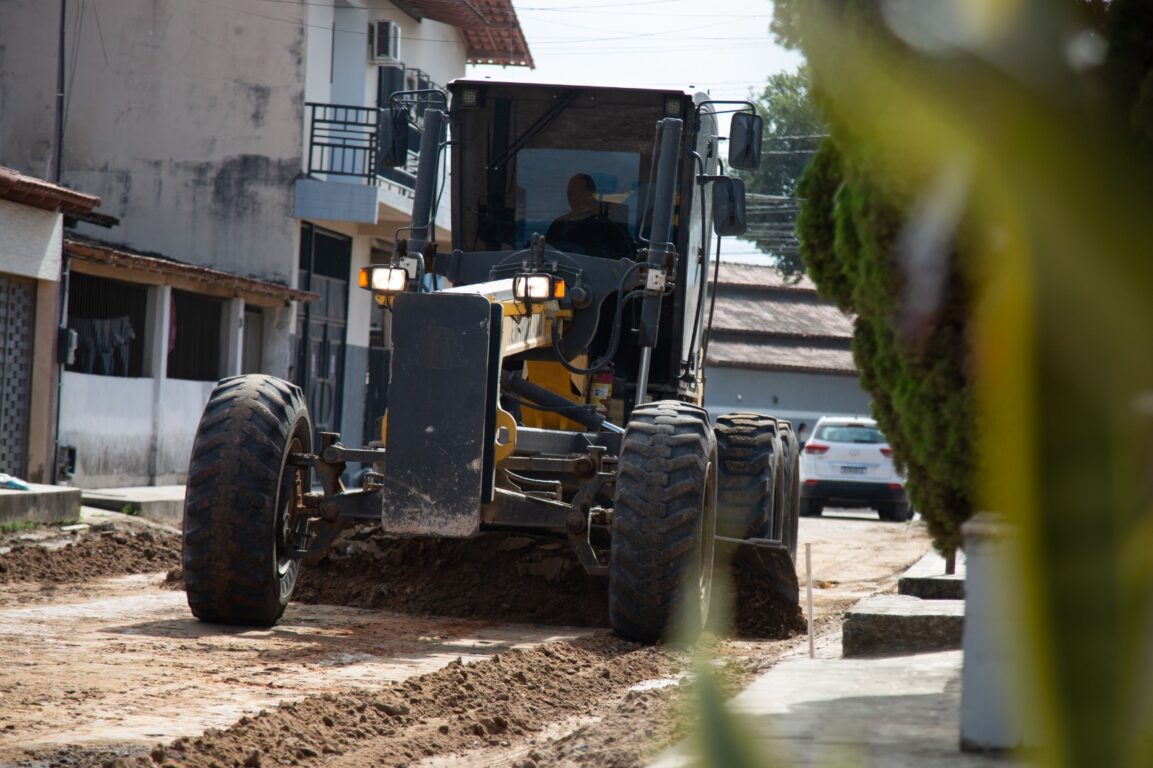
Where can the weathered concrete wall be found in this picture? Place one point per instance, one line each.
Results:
(184, 117)
(130, 432)
(30, 241)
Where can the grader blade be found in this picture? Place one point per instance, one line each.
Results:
(764, 559)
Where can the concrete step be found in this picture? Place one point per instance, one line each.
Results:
(889, 625)
(39, 504)
(927, 579)
(162, 503)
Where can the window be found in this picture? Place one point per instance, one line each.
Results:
(109, 319)
(194, 337)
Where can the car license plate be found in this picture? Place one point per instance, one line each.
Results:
(852, 470)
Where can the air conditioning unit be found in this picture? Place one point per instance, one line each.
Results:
(384, 41)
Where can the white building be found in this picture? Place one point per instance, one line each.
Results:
(235, 143)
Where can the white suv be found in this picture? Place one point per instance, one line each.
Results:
(847, 462)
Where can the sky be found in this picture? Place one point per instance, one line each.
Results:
(722, 47)
(719, 46)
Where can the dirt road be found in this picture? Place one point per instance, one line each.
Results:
(104, 665)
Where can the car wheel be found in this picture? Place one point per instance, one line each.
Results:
(897, 512)
(811, 508)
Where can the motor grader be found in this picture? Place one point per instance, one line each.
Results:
(546, 370)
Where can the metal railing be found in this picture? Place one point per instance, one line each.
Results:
(343, 140)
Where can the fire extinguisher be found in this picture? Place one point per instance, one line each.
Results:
(601, 390)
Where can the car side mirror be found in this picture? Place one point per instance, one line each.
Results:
(729, 206)
(393, 147)
(746, 132)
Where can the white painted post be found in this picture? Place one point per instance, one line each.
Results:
(995, 708)
(809, 596)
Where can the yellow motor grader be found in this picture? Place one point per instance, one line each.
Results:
(546, 372)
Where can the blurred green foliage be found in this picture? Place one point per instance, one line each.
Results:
(983, 207)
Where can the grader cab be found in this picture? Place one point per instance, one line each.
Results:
(546, 368)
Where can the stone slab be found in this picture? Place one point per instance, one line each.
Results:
(889, 625)
(40, 504)
(162, 503)
(927, 579)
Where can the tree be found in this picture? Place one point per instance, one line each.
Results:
(982, 207)
(793, 131)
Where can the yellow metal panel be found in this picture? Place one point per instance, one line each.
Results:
(554, 377)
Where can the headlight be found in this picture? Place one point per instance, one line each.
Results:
(383, 280)
(536, 287)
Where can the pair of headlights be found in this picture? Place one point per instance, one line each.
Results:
(528, 287)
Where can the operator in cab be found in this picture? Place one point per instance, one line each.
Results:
(585, 229)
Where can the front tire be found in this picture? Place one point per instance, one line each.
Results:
(664, 521)
(238, 565)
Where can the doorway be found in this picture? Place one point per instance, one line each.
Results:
(325, 261)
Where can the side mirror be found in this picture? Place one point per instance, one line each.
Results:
(729, 206)
(393, 146)
(746, 132)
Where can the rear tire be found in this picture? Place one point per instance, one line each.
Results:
(789, 511)
(664, 521)
(238, 566)
(748, 449)
(811, 508)
(897, 512)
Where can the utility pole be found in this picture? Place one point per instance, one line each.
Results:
(57, 145)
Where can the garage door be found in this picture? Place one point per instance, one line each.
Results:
(17, 306)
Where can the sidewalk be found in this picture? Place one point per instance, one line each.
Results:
(897, 710)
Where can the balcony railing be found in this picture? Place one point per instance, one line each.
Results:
(344, 140)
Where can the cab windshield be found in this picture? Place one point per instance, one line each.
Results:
(570, 164)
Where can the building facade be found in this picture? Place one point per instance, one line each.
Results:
(238, 138)
(32, 213)
(777, 348)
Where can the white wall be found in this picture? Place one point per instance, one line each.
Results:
(798, 397)
(30, 241)
(112, 421)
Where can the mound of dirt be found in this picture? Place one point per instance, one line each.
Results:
(499, 576)
(90, 556)
(760, 612)
(448, 712)
(504, 577)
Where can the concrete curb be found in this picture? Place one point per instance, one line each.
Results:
(40, 504)
(927, 579)
(163, 503)
(894, 625)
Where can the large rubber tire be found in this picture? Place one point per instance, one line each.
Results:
(748, 449)
(240, 491)
(789, 512)
(663, 526)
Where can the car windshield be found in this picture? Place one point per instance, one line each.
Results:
(849, 433)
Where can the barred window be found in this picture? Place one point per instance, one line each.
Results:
(109, 319)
